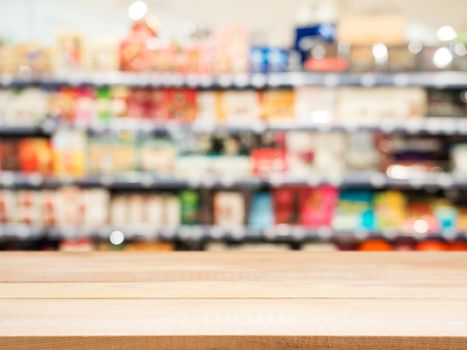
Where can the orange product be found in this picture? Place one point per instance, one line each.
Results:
(432, 245)
(375, 244)
(277, 105)
(63, 104)
(150, 246)
(462, 218)
(35, 155)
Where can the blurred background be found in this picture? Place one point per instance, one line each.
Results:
(163, 125)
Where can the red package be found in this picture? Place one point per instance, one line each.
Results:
(135, 56)
(267, 161)
(182, 105)
(285, 203)
(317, 206)
(35, 156)
(158, 105)
(137, 105)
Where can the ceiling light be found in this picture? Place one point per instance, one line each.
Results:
(442, 57)
(137, 10)
(446, 33)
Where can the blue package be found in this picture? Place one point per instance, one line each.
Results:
(446, 215)
(304, 36)
(266, 59)
(259, 59)
(261, 212)
(278, 60)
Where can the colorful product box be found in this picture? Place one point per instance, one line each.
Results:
(285, 202)
(261, 212)
(229, 209)
(317, 206)
(189, 206)
(390, 210)
(277, 105)
(354, 211)
(268, 161)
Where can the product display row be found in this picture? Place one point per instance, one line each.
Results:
(323, 46)
(84, 212)
(290, 155)
(103, 106)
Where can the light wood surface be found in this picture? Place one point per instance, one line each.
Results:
(233, 301)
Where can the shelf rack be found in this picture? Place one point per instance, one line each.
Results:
(439, 79)
(280, 233)
(148, 181)
(428, 125)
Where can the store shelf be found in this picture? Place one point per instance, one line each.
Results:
(138, 181)
(451, 79)
(25, 130)
(428, 125)
(125, 182)
(281, 233)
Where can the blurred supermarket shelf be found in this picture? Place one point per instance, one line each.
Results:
(280, 233)
(428, 125)
(442, 79)
(147, 181)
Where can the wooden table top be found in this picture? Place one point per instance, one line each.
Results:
(184, 300)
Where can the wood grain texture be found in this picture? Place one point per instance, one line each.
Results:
(231, 343)
(233, 301)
